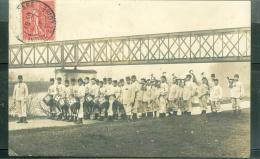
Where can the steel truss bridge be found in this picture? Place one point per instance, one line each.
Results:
(221, 45)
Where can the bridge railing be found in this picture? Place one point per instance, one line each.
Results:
(197, 46)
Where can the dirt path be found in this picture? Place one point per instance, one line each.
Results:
(41, 123)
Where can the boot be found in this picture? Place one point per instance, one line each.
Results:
(234, 112)
(25, 120)
(189, 113)
(134, 116)
(203, 112)
(20, 120)
(71, 119)
(239, 111)
(79, 121)
(174, 113)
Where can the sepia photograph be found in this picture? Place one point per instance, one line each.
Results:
(125, 78)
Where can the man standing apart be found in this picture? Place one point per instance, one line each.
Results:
(236, 93)
(20, 96)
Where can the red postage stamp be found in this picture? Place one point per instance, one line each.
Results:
(38, 20)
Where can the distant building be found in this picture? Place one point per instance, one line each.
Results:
(75, 73)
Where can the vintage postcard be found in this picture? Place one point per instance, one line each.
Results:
(126, 78)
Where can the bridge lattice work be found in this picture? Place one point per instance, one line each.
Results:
(222, 45)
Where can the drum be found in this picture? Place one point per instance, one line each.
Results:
(56, 99)
(88, 98)
(61, 102)
(74, 103)
(47, 100)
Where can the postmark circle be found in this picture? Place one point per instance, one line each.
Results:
(38, 20)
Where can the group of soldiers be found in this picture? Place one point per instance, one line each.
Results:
(131, 99)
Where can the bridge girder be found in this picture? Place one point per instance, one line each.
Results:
(222, 45)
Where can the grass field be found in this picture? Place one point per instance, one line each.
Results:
(213, 136)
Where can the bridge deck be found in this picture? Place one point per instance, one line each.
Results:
(222, 45)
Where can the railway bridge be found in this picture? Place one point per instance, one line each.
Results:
(220, 45)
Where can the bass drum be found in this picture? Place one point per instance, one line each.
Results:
(74, 103)
(48, 99)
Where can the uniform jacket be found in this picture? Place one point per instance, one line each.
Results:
(172, 92)
(52, 90)
(188, 90)
(20, 92)
(237, 90)
(126, 93)
(216, 93)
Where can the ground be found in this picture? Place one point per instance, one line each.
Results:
(220, 136)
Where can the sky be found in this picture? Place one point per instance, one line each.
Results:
(84, 19)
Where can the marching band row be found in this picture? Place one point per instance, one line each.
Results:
(128, 98)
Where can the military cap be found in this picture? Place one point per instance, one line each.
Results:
(51, 79)
(127, 78)
(236, 75)
(80, 80)
(133, 77)
(93, 79)
(213, 75)
(109, 79)
(121, 80)
(104, 79)
(20, 77)
(67, 81)
(73, 80)
(114, 81)
(86, 78)
(59, 78)
(215, 79)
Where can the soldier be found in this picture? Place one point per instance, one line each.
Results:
(215, 96)
(102, 100)
(20, 95)
(60, 88)
(188, 93)
(172, 106)
(146, 99)
(204, 95)
(121, 111)
(67, 93)
(75, 103)
(164, 88)
(179, 95)
(154, 97)
(236, 93)
(94, 93)
(87, 84)
(81, 96)
(126, 98)
(135, 98)
(51, 93)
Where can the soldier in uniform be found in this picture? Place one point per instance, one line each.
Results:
(60, 88)
(179, 95)
(188, 93)
(67, 93)
(236, 93)
(135, 98)
(126, 98)
(81, 96)
(51, 93)
(215, 96)
(172, 106)
(20, 95)
(94, 105)
(164, 88)
(102, 100)
(74, 96)
(204, 95)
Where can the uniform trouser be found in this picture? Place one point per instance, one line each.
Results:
(136, 106)
(215, 106)
(144, 107)
(21, 108)
(81, 111)
(111, 107)
(127, 108)
(162, 104)
(236, 103)
(141, 107)
(187, 105)
(172, 105)
(204, 102)
(103, 108)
